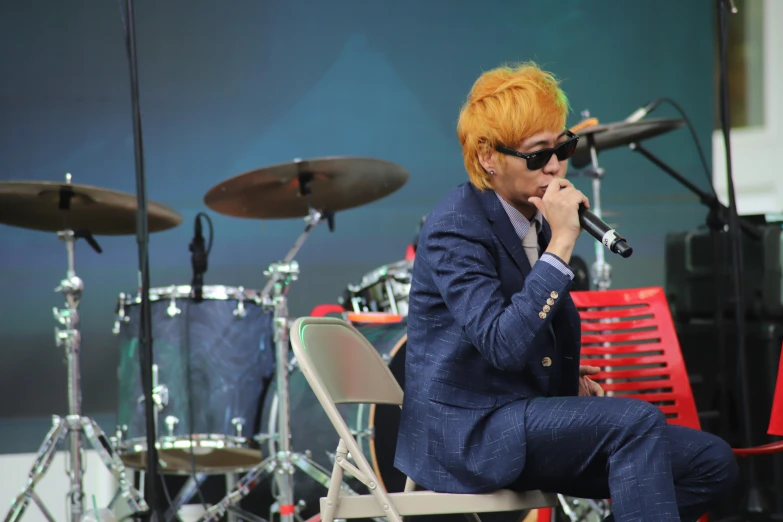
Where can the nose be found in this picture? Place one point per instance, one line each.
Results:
(553, 166)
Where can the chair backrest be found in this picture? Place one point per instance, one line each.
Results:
(630, 334)
(339, 361)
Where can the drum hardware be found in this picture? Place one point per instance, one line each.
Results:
(160, 395)
(384, 289)
(584, 509)
(74, 424)
(171, 423)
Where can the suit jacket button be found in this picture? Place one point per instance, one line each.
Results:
(546, 308)
(550, 301)
(553, 295)
(542, 315)
(546, 362)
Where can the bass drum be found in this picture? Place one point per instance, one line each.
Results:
(375, 427)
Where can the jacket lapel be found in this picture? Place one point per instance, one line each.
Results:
(546, 235)
(501, 226)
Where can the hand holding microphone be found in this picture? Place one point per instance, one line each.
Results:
(567, 211)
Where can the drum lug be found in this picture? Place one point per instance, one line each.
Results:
(160, 392)
(119, 434)
(290, 270)
(172, 310)
(171, 423)
(121, 316)
(239, 424)
(240, 312)
(359, 435)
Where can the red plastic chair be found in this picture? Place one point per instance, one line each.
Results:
(630, 334)
(322, 310)
(776, 417)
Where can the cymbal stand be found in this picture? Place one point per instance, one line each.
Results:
(281, 463)
(601, 271)
(74, 424)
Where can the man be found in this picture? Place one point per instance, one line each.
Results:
(494, 393)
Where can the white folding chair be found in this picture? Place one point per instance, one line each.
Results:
(342, 367)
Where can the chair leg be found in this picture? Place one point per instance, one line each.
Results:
(332, 496)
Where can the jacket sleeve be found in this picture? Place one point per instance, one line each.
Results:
(458, 252)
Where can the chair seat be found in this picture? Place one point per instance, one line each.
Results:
(430, 503)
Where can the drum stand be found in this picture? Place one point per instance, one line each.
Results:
(281, 463)
(74, 424)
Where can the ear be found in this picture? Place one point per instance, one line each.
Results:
(487, 158)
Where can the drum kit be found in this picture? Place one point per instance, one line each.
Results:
(224, 381)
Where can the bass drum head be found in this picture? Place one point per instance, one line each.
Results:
(386, 420)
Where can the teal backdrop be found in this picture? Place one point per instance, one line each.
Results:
(228, 87)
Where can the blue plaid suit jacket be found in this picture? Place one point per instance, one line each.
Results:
(480, 344)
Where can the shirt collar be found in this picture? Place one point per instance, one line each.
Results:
(520, 223)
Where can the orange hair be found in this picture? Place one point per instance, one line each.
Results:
(505, 106)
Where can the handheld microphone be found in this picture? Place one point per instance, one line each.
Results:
(198, 261)
(596, 227)
(641, 112)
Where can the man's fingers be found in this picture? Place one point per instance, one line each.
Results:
(556, 185)
(588, 370)
(536, 202)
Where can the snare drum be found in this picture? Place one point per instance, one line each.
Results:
(213, 360)
(385, 289)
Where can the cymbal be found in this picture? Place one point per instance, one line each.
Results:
(38, 205)
(336, 183)
(611, 135)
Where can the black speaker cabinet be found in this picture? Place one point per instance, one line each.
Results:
(698, 272)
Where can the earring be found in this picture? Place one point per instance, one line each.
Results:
(491, 172)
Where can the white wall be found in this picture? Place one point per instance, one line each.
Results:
(756, 161)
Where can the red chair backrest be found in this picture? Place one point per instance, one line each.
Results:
(630, 334)
(323, 310)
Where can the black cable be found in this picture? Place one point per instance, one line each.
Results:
(211, 229)
(188, 372)
(705, 165)
(735, 235)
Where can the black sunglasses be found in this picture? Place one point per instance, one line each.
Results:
(538, 159)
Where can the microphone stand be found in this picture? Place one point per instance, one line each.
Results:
(754, 502)
(142, 238)
(718, 211)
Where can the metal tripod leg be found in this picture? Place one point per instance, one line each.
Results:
(268, 466)
(43, 460)
(187, 492)
(102, 445)
(61, 427)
